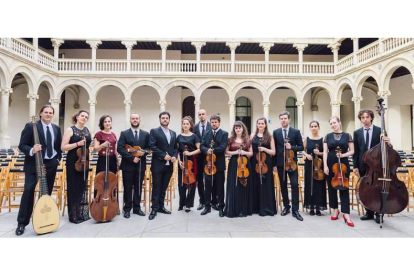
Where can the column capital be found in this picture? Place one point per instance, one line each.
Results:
(357, 100)
(163, 102)
(92, 102)
(266, 103)
(198, 45)
(300, 46)
(164, 44)
(94, 43)
(230, 103)
(6, 91)
(197, 102)
(384, 94)
(127, 102)
(266, 45)
(32, 96)
(334, 46)
(54, 101)
(300, 103)
(355, 38)
(233, 45)
(336, 103)
(129, 43)
(56, 42)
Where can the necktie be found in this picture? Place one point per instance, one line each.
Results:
(49, 147)
(367, 139)
(136, 136)
(202, 131)
(284, 134)
(214, 135)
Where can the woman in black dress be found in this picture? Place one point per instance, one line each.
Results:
(189, 139)
(335, 139)
(77, 189)
(263, 191)
(238, 200)
(315, 194)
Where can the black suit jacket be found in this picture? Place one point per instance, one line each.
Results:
(295, 139)
(27, 143)
(159, 146)
(359, 146)
(219, 147)
(127, 138)
(197, 129)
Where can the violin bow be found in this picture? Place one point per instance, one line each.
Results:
(260, 162)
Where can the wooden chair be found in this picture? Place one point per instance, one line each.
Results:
(353, 200)
(277, 191)
(7, 190)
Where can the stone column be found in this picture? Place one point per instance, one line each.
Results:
(336, 108)
(300, 47)
(266, 48)
(233, 46)
(129, 44)
(266, 109)
(335, 48)
(232, 113)
(32, 104)
(357, 107)
(164, 45)
(56, 44)
(385, 95)
(163, 103)
(92, 104)
(356, 48)
(300, 105)
(197, 104)
(55, 104)
(94, 45)
(127, 112)
(380, 45)
(198, 45)
(4, 127)
(36, 46)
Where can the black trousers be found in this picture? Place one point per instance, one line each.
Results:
(30, 182)
(160, 181)
(132, 189)
(187, 192)
(200, 179)
(293, 177)
(214, 192)
(333, 198)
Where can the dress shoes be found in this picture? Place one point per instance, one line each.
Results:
(367, 217)
(20, 230)
(312, 212)
(206, 211)
(296, 215)
(318, 213)
(200, 207)
(187, 210)
(139, 213)
(127, 214)
(214, 206)
(180, 208)
(285, 211)
(164, 211)
(152, 215)
(221, 212)
(378, 219)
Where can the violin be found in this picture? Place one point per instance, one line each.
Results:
(188, 174)
(82, 164)
(289, 164)
(261, 166)
(317, 166)
(242, 170)
(380, 190)
(134, 150)
(104, 207)
(339, 181)
(210, 167)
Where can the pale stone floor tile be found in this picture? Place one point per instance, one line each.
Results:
(383, 233)
(187, 235)
(257, 235)
(299, 234)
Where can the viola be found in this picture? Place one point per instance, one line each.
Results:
(340, 181)
(317, 167)
(210, 167)
(242, 170)
(261, 166)
(188, 174)
(82, 164)
(289, 155)
(380, 190)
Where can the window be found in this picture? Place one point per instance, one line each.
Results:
(244, 111)
(293, 110)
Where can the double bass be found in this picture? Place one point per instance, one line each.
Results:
(261, 166)
(104, 206)
(380, 190)
(242, 170)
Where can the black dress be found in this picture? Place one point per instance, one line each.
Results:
(187, 192)
(263, 194)
(341, 140)
(317, 198)
(238, 199)
(77, 187)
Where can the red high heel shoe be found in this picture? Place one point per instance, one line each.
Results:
(347, 222)
(335, 217)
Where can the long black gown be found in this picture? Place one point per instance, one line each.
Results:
(238, 199)
(317, 200)
(78, 208)
(263, 195)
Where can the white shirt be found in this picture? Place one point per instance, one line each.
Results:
(168, 134)
(287, 131)
(370, 131)
(53, 140)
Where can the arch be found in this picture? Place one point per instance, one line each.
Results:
(4, 74)
(340, 87)
(209, 84)
(280, 84)
(241, 85)
(62, 86)
(28, 75)
(176, 83)
(140, 83)
(104, 83)
(362, 77)
(314, 84)
(49, 83)
(391, 67)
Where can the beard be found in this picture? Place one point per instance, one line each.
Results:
(135, 126)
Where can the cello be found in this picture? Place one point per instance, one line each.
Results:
(242, 170)
(380, 190)
(104, 206)
(261, 166)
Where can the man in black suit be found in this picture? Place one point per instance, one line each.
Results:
(200, 129)
(50, 139)
(220, 142)
(164, 153)
(295, 144)
(133, 168)
(365, 138)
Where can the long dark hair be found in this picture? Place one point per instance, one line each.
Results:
(267, 137)
(74, 119)
(245, 134)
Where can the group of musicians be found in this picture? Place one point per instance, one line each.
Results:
(248, 190)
